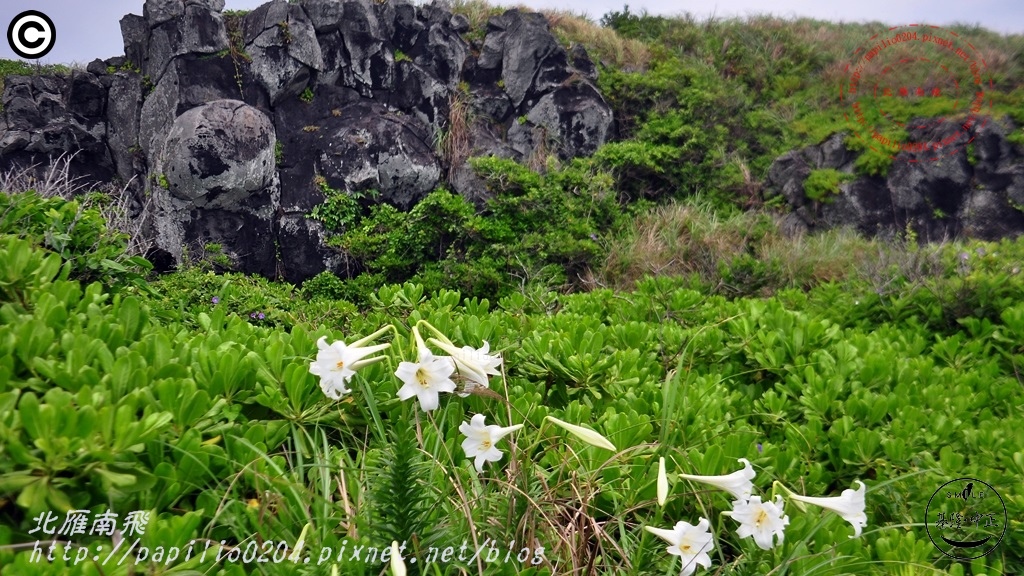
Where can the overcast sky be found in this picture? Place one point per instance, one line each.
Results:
(89, 29)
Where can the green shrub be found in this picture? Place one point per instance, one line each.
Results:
(874, 159)
(824, 183)
(77, 233)
(534, 226)
(325, 285)
(338, 211)
(746, 275)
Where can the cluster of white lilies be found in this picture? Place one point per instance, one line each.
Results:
(336, 364)
(765, 521)
(429, 376)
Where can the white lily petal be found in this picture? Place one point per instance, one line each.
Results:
(397, 565)
(738, 483)
(691, 543)
(662, 482)
(762, 520)
(664, 534)
(502, 432)
(850, 505)
(481, 440)
(425, 380)
(586, 434)
(336, 363)
(473, 365)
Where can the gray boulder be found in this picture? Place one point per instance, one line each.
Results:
(523, 80)
(216, 182)
(577, 116)
(219, 154)
(526, 52)
(124, 108)
(357, 50)
(48, 117)
(157, 12)
(135, 33)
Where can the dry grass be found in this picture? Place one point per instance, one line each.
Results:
(691, 239)
(114, 203)
(603, 44)
(836, 42)
(454, 142)
(479, 11)
(54, 180)
(814, 259)
(674, 240)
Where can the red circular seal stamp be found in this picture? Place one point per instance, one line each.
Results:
(918, 89)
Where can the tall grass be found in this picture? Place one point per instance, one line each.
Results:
(691, 239)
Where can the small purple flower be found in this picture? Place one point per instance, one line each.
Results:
(261, 316)
(964, 256)
(215, 300)
(593, 237)
(253, 315)
(760, 449)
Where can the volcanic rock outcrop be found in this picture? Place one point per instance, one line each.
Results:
(974, 188)
(231, 126)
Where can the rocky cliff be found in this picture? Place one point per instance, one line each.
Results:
(231, 126)
(974, 190)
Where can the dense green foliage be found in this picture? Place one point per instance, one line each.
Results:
(535, 227)
(752, 88)
(77, 232)
(824, 183)
(180, 402)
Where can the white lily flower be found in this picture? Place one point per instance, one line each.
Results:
(480, 440)
(475, 365)
(337, 363)
(397, 565)
(662, 482)
(586, 434)
(762, 520)
(691, 543)
(426, 378)
(738, 483)
(850, 505)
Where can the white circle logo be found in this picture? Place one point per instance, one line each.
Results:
(31, 34)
